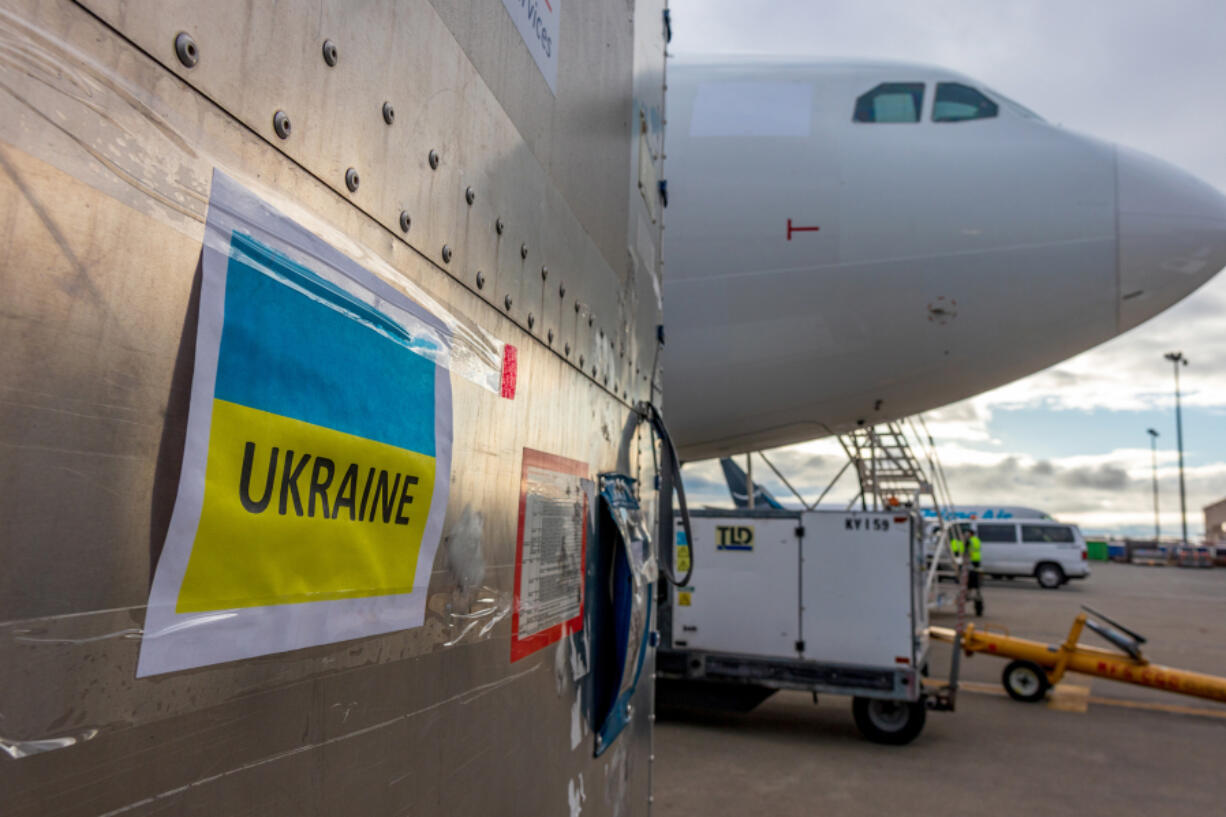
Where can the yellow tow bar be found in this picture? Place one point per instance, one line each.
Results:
(1036, 666)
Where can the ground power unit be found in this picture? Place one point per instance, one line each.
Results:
(827, 601)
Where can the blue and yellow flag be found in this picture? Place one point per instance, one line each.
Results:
(317, 461)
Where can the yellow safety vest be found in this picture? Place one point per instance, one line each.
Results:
(956, 547)
(976, 550)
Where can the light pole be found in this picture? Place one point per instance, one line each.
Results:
(1153, 450)
(1177, 358)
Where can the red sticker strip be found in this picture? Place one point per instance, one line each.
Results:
(510, 371)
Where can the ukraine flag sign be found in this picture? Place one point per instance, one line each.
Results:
(315, 474)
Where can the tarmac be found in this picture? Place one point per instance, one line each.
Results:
(1095, 747)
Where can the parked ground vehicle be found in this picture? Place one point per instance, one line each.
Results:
(822, 601)
(1052, 552)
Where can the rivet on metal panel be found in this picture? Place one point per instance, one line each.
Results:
(523, 250)
(280, 124)
(470, 196)
(186, 48)
(480, 279)
(432, 158)
(581, 360)
(506, 302)
(531, 320)
(446, 254)
(550, 336)
(593, 371)
(330, 53)
(568, 350)
(405, 221)
(562, 290)
(544, 273)
(351, 180)
(389, 113)
(606, 377)
(499, 226)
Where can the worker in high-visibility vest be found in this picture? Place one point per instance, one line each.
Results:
(959, 537)
(976, 548)
(956, 544)
(972, 579)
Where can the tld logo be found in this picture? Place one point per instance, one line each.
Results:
(734, 537)
(861, 523)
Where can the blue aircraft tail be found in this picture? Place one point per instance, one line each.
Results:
(737, 481)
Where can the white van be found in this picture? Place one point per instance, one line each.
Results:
(1052, 552)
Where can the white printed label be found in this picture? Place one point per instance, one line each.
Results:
(549, 552)
(552, 578)
(537, 21)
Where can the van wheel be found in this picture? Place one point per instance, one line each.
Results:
(1050, 575)
(891, 722)
(1025, 681)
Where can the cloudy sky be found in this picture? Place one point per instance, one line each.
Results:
(1070, 440)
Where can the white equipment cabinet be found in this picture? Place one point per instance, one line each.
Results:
(827, 601)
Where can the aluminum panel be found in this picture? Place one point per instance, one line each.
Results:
(105, 158)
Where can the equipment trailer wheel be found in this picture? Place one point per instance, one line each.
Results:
(1050, 575)
(891, 722)
(1025, 681)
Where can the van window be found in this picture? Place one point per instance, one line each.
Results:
(956, 102)
(891, 102)
(997, 533)
(1047, 533)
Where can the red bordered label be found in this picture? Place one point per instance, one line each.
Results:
(550, 552)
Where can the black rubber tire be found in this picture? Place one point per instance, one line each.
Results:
(894, 723)
(1025, 681)
(1049, 575)
(979, 608)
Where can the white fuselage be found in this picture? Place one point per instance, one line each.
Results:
(950, 256)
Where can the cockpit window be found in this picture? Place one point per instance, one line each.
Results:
(956, 102)
(891, 102)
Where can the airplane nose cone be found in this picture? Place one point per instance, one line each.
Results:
(1171, 235)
